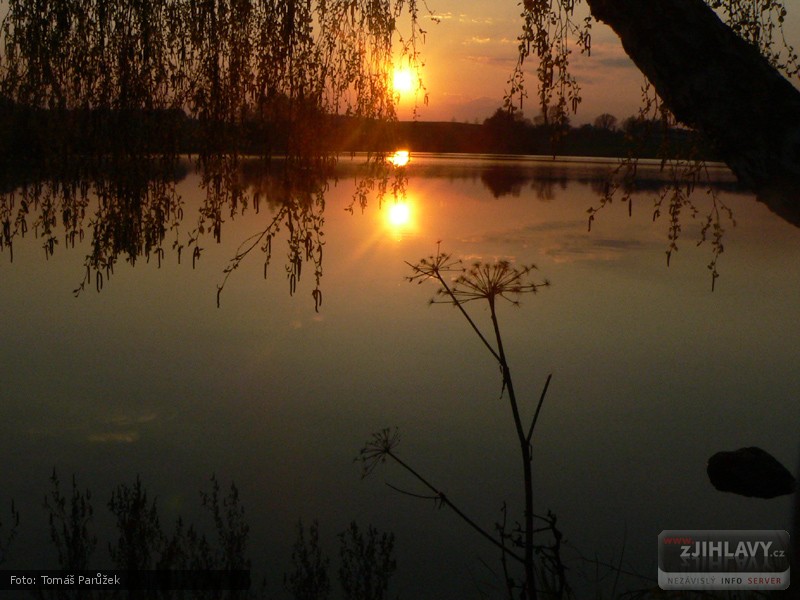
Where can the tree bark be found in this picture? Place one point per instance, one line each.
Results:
(714, 81)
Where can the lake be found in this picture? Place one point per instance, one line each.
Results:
(652, 373)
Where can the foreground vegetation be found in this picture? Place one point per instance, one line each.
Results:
(143, 542)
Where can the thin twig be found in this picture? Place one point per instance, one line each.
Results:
(619, 566)
(445, 500)
(412, 494)
(508, 582)
(616, 568)
(467, 317)
(538, 408)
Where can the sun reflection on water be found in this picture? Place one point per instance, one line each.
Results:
(399, 217)
(399, 214)
(400, 158)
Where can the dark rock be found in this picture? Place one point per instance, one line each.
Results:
(750, 472)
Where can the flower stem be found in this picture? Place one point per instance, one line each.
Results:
(525, 451)
(440, 496)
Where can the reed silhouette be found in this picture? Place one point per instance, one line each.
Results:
(142, 542)
(366, 563)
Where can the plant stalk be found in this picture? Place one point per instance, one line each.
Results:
(445, 500)
(525, 451)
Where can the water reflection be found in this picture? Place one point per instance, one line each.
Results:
(130, 208)
(651, 371)
(401, 158)
(400, 217)
(399, 214)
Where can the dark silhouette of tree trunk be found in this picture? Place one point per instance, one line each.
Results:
(714, 81)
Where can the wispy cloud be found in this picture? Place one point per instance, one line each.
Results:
(560, 241)
(610, 55)
(473, 20)
(129, 420)
(524, 235)
(501, 42)
(104, 429)
(501, 59)
(117, 437)
(616, 62)
(439, 16)
(589, 248)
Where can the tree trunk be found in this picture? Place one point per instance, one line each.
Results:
(714, 81)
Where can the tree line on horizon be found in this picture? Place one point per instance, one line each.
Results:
(23, 131)
(510, 132)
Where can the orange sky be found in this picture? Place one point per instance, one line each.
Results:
(471, 52)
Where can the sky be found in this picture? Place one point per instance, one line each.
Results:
(470, 54)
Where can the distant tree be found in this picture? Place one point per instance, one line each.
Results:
(503, 117)
(552, 116)
(561, 122)
(606, 121)
(507, 130)
(638, 127)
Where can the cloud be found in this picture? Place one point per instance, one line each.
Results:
(128, 420)
(610, 55)
(526, 234)
(127, 428)
(619, 244)
(615, 62)
(501, 60)
(478, 58)
(560, 241)
(590, 248)
(114, 429)
(437, 16)
(119, 437)
(461, 108)
(501, 43)
(465, 18)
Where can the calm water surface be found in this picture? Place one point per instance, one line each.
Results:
(652, 373)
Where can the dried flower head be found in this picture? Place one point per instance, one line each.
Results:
(435, 267)
(487, 281)
(376, 449)
(501, 279)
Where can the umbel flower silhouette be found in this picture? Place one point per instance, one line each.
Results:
(487, 281)
(480, 281)
(459, 285)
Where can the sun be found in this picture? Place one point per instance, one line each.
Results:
(403, 82)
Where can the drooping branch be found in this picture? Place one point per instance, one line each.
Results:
(715, 81)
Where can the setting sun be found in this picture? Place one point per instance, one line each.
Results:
(403, 81)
